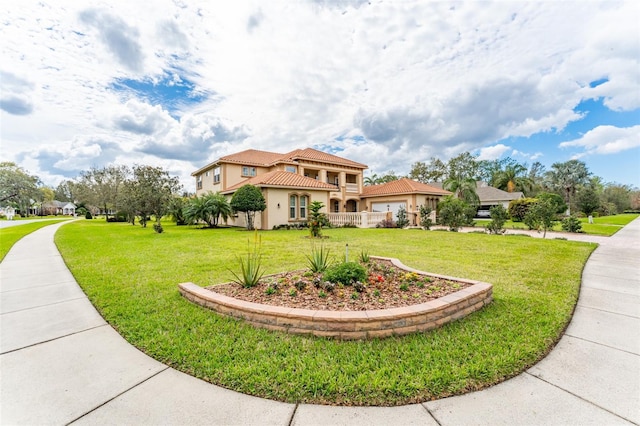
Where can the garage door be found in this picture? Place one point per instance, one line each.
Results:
(388, 207)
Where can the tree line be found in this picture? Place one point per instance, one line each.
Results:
(580, 189)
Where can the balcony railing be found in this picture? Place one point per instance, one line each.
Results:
(359, 219)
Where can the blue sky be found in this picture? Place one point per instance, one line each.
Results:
(382, 83)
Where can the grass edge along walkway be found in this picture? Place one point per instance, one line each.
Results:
(12, 234)
(130, 274)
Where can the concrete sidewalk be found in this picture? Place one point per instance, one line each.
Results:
(60, 362)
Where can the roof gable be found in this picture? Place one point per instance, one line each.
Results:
(311, 154)
(402, 186)
(282, 179)
(254, 157)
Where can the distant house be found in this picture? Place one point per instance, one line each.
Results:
(58, 207)
(490, 196)
(290, 182)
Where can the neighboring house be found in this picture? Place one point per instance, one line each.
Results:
(58, 207)
(290, 182)
(490, 196)
(406, 193)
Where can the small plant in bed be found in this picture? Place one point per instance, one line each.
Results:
(377, 284)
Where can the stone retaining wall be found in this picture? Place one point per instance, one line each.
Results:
(350, 324)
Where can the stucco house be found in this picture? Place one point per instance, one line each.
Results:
(406, 193)
(290, 182)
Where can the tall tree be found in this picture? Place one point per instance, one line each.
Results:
(65, 191)
(617, 195)
(464, 189)
(248, 199)
(17, 186)
(567, 177)
(536, 176)
(152, 189)
(100, 187)
(513, 178)
(464, 166)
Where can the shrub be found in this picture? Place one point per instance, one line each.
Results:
(571, 224)
(386, 223)
(554, 199)
(402, 218)
(498, 218)
(250, 269)
(518, 209)
(158, 227)
(318, 259)
(316, 219)
(452, 212)
(88, 215)
(364, 257)
(425, 219)
(346, 273)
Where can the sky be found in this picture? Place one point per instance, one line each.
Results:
(386, 83)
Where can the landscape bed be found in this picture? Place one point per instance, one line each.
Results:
(130, 275)
(396, 300)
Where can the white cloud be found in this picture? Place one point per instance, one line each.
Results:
(493, 152)
(415, 79)
(606, 140)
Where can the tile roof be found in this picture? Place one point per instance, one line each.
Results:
(323, 157)
(254, 157)
(402, 186)
(279, 178)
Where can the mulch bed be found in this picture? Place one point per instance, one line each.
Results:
(386, 287)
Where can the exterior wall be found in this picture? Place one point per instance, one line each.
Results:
(274, 216)
(230, 174)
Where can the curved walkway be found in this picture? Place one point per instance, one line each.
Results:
(61, 363)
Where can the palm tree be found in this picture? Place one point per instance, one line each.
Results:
(208, 208)
(220, 207)
(463, 188)
(512, 178)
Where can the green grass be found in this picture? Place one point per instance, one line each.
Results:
(606, 225)
(10, 235)
(131, 275)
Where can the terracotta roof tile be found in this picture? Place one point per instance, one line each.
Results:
(315, 155)
(402, 186)
(252, 157)
(279, 178)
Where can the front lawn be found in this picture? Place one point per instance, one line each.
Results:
(131, 275)
(606, 225)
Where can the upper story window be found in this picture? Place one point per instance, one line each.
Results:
(291, 169)
(216, 175)
(206, 174)
(248, 171)
(199, 182)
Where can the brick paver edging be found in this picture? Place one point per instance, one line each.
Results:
(350, 324)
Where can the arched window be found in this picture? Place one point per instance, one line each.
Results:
(298, 206)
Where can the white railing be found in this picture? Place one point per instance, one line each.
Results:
(359, 219)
